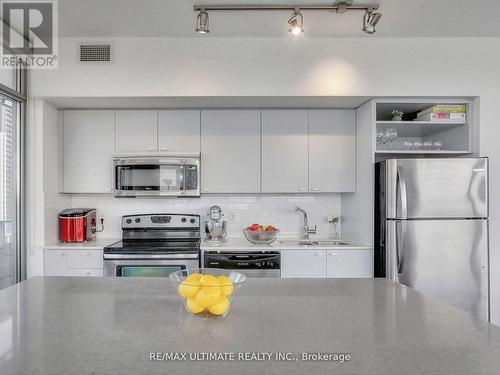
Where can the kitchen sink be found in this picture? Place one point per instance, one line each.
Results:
(331, 243)
(313, 242)
(298, 242)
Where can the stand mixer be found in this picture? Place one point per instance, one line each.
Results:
(215, 227)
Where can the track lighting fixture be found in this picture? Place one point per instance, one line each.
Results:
(296, 22)
(370, 20)
(202, 22)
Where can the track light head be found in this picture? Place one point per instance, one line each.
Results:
(370, 20)
(202, 22)
(296, 23)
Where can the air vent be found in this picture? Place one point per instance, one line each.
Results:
(95, 53)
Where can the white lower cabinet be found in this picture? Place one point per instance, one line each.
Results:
(331, 263)
(303, 263)
(74, 262)
(349, 263)
(55, 262)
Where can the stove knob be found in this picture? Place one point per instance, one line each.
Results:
(129, 221)
(192, 221)
(137, 220)
(183, 219)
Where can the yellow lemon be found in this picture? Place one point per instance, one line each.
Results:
(221, 307)
(210, 284)
(193, 277)
(209, 280)
(205, 299)
(193, 306)
(226, 285)
(189, 289)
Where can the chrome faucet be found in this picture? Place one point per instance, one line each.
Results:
(307, 231)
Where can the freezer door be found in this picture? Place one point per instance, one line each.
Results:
(447, 259)
(436, 188)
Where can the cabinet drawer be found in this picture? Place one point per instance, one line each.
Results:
(85, 272)
(85, 259)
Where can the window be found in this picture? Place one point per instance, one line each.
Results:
(12, 108)
(8, 191)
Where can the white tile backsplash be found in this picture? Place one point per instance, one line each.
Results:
(240, 210)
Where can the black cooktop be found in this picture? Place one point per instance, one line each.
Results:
(153, 247)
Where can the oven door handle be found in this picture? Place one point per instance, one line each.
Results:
(148, 257)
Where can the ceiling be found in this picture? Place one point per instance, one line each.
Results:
(175, 18)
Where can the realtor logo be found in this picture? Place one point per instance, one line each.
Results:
(29, 30)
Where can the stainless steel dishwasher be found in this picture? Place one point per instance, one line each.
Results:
(249, 263)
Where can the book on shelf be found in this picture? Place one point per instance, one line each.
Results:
(443, 117)
(451, 108)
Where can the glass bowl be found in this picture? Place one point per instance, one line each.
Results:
(261, 237)
(207, 293)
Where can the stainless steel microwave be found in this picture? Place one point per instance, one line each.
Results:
(157, 175)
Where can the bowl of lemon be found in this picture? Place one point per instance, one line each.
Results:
(207, 293)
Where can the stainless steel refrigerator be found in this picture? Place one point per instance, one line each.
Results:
(431, 228)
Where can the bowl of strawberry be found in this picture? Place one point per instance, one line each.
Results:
(261, 234)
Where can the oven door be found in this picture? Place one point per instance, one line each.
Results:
(155, 176)
(146, 267)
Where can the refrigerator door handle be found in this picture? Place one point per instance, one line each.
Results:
(402, 193)
(400, 240)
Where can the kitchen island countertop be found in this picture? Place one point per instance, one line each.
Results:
(73, 325)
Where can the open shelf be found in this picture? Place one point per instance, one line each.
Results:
(418, 128)
(456, 137)
(442, 122)
(442, 152)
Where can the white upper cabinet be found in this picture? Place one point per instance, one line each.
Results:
(136, 130)
(179, 131)
(331, 150)
(230, 151)
(88, 151)
(284, 151)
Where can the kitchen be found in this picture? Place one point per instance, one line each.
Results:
(291, 143)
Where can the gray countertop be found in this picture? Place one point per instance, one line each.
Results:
(241, 244)
(95, 244)
(71, 325)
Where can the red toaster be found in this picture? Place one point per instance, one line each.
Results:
(77, 224)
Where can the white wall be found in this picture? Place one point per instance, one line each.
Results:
(299, 67)
(240, 210)
(43, 201)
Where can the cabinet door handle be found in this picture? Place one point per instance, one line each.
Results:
(314, 189)
(151, 149)
(333, 254)
(206, 189)
(108, 189)
(163, 149)
(61, 254)
(302, 189)
(318, 254)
